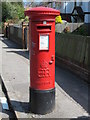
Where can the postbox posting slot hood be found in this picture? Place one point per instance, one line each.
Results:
(45, 27)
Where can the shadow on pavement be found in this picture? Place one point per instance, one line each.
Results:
(81, 118)
(10, 44)
(9, 114)
(21, 106)
(26, 109)
(22, 53)
(16, 48)
(74, 86)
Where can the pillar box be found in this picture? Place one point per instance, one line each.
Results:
(42, 58)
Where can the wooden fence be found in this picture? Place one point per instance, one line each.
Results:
(72, 50)
(18, 34)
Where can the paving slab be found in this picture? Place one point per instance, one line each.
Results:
(2, 112)
(5, 112)
(16, 77)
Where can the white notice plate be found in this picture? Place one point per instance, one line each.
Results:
(44, 42)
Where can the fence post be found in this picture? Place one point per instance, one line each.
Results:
(28, 37)
(9, 24)
(5, 25)
(23, 39)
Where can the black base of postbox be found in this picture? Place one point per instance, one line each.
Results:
(42, 101)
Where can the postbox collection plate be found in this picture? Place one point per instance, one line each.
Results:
(44, 42)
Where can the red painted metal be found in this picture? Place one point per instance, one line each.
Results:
(42, 62)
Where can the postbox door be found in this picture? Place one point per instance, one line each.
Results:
(44, 58)
(46, 63)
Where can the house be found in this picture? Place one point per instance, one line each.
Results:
(71, 10)
(77, 11)
(77, 14)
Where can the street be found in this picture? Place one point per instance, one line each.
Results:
(71, 90)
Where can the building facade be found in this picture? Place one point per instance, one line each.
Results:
(68, 8)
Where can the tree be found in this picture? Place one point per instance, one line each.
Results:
(12, 10)
(5, 11)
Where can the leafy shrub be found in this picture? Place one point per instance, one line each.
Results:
(67, 30)
(58, 19)
(12, 10)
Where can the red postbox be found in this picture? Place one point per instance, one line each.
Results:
(42, 58)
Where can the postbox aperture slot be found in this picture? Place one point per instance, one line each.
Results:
(43, 42)
(44, 27)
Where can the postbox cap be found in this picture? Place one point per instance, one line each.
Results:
(41, 11)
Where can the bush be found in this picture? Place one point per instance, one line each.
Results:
(1, 26)
(67, 30)
(12, 11)
(58, 19)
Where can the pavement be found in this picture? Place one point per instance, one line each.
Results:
(5, 109)
(71, 91)
(3, 113)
